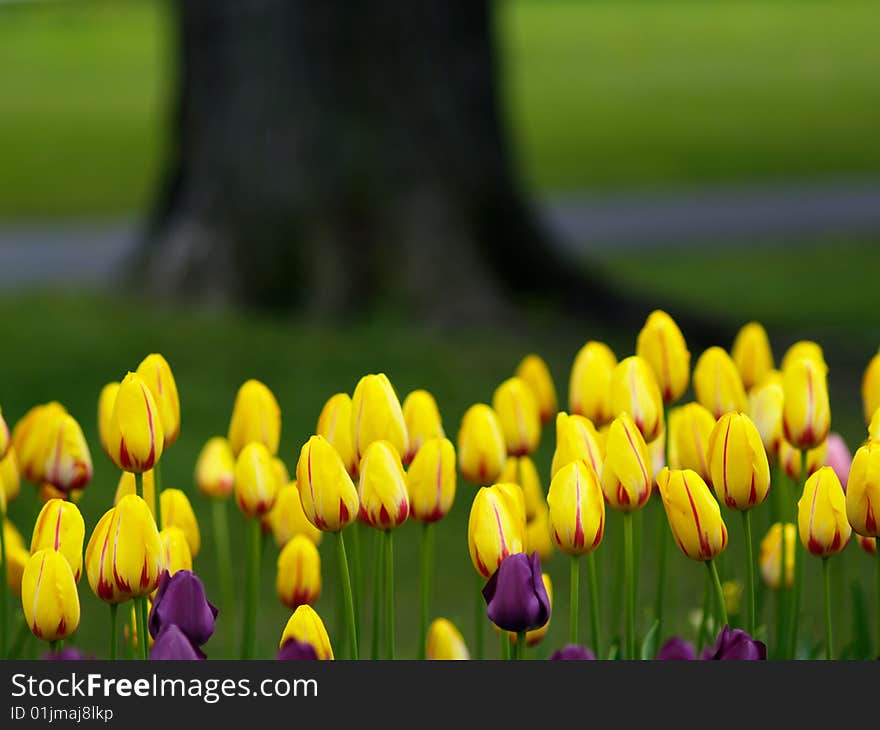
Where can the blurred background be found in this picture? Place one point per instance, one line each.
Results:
(303, 192)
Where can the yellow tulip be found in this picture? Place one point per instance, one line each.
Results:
(868, 544)
(431, 480)
(690, 427)
(518, 414)
(657, 454)
(535, 373)
(68, 461)
(376, 415)
(495, 530)
(634, 391)
(738, 463)
(178, 512)
(127, 485)
(106, 403)
(155, 371)
(790, 459)
(806, 415)
(863, 491)
(822, 522)
(817, 458)
(804, 349)
(135, 434)
(765, 410)
(535, 636)
(11, 535)
(521, 470)
(871, 388)
(60, 527)
(873, 428)
(589, 389)
(717, 383)
(382, 487)
(693, 514)
(329, 498)
(298, 578)
(732, 590)
(47, 491)
(445, 642)
(512, 494)
(287, 519)
(256, 417)
(10, 482)
(5, 436)
(29, 438)
(99, 560)
(752, 354)
(215, 469)
(256, 481)
(176, 550)
(626, 474)
(482, 450)
(577, 440)
(538, 539)
(577, 509)
(49, 597)
(282, 476)
(306, 627)
(661, 344)
(422, 419)
(770, 557)
(334, 424)
(16, 558)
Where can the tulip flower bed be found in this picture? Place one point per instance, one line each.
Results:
(395, 529)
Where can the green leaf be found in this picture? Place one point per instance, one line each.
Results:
(649, 645)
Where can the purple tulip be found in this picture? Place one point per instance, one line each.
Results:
(677, 649)
(172, 643)
(68, 653)
(515, 596)
(573, 652)
(294, 649)
(180, 600)
(736, 644)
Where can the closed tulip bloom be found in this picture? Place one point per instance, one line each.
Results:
(298, 579)
(136, 437)
(215, 469)
(173, 645)
(770, 556)
(690, 427)
(256, 482)
(790, 459)
(16, 558)
(445, 642)
(806, 416)
(822, 522)
(677, 649)
(176, 550)
(422, 418)
(573, 652)
(282, 476)
(765, 410)
(306, 627)
(10, 481)
(293, 650)
(577, 509)
(513, 496)
(106, 403)
(287, 519)
(431, 480)
(535, 636)
(577, 440)
(155, 371)
(181, 601)
(871, 388)
(482, 450)
(589, 389)
(376, 415)
(805, 349)
(718, 384)
(534, 371)
(626, 474)
(521, 470)
(68, 461)
(634, 391)
(49, 597)
(736, 645)
(873, 427)
(868, 544)
(127, 485)
(29, 437)
(817, 458)
(518, 414)
(60, 527)
(516, 598)
(740, 472)
(863, 491)
(752, 354)
(334, 424)
(5, 436)
(256, 417)
(382, 487)
(693, 514)
(495, 530)
(329, 498)
(178, 512)
(538, 539)
(99, 560)
(661, 344)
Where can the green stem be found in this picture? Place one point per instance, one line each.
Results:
(357, 575)
(139, 484)
(21, 637)
(826, 580)
(3, 599)
(114, 610)
(389, 594)
(593, 580)
(219, 515)
(719, 594)
(704, 618)
(427, 570)
(750, 571)
(345, 579)
(252, 593)
(662, 542)
(630, 587)
(782, 601)
(520, 645)
(479, 617)
(795, 609)
(574, 599)
(53, 646)
(143, 632)
(505, 644)
(157, 492)
(377, 595)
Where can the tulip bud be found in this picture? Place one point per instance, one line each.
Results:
(535, 636)
(873, 427)
(16, 559)
(690, 427)
(626, 474)
(68, 461)
(256, 417)
(298, 580)
(155, 371)
(99, 560)
(382, 487)
(422, 418)
(661, 344)
(634, 391)
(287, 519)
(521, 470)
(765, 410)
(334, 424)
(49, 597)
(770, 557)
(215, 469)
(445, 642)
(717, 383)
(513, 496)
(178, 512)
(871, 388)
(29, 438)
(481, 447)
(495, 530)
(329, 498)
(127, 485)
(518, 414)
(589, 389)
(868, 544)
(135, 435)
(10, 483)
(181, 601)
(256, 482)
(431, 479)
(5, 436)
(805, 349)
(60, 527)
(535, 373)
(790, 459)
(577, 440)
(822, 522)
(282, 476)
(538, 538)
(106, 403)
(693, 514)
(738, 463)
(806, 416)
(577, 509)
(516, 598)
(376, 416)
(752, 354)
(817, 458)
(863, 491)
(175, 550)
(736, 645)
(306, 627)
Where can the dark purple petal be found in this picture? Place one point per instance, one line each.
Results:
(736, 644)
(677, 649)
(294, 649)
(573, 652)
(180, 600)
(68, 653)
(515, 596)
(172, 643)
